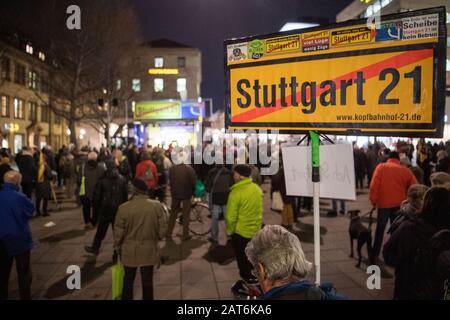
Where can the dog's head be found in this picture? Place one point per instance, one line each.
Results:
(354, 214)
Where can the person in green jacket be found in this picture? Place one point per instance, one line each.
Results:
(244, 217)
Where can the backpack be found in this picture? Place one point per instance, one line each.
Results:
(147, 175)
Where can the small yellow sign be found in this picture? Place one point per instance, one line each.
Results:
(163, 71)
(283, 44)
(352, 36)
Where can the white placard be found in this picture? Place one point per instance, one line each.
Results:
(337, 171)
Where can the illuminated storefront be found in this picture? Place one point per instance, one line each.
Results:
(165, 122)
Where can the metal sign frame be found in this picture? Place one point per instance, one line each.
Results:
(434, 129)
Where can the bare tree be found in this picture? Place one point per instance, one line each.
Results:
(87, 61)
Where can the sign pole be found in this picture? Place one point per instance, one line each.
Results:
(315, 142)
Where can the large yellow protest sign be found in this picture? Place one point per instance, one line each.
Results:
(350, 78)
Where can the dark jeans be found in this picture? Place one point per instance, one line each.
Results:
(147, 282)
(90, 212)
(44, 206)
(107, 217)
(23, 273)
(176, 208)
(359, 181)
(27, 188)
(384, 214)
(245, 267)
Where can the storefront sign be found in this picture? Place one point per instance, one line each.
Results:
(12, 127)
(348, 79)
(169, 110)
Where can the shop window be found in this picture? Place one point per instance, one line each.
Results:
(18, 143)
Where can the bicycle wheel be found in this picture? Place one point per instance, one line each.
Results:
(200, 219)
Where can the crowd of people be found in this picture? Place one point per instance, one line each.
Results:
(125, 188)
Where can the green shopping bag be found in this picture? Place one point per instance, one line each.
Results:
(118, 273)
(83, 184)
(199, 189)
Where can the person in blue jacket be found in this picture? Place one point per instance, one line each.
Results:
(15, 235)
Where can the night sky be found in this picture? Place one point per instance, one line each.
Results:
(205, 24)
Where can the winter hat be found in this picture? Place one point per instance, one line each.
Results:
(139, 185)
(243, 169)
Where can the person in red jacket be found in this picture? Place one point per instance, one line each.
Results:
(388, 189)
(147, 171)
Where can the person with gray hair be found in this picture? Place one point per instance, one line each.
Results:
(15, 235)
(281, 266)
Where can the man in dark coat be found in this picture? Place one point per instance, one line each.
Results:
(88, 176)
(111, 191)
(182, 182)
(27, 168)
(218, 185)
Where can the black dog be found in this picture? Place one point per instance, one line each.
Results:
(361, 233)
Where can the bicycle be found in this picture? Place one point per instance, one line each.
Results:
(199, 217)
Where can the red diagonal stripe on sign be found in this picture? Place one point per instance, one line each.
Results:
(398, 61)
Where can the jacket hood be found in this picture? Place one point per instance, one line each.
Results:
(408, 210)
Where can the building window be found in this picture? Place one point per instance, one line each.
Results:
(181, 62)
(41, 56)
(29, 49)
(19, 112)
(44, 85)
(159, 85)
(19, 76)
(32, 111)
(119, 85)
(136, 85)
(32, 80)
(5, 106)
(6, 69)
(181, 84)
(45, 114)
(57, 119)
(159, 62)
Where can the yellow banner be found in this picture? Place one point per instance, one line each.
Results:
(384, 78)
(386, 87)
